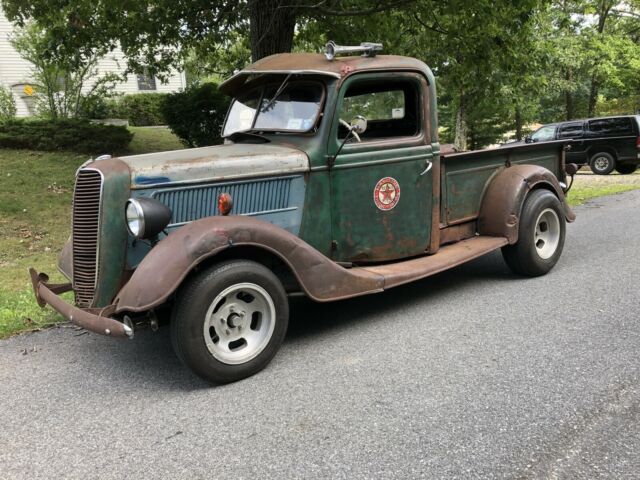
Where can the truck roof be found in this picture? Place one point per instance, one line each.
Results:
(317, 64)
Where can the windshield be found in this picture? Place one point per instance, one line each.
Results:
(295, 108)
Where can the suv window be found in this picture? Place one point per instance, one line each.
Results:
(391, 109)
(611, 126)
(544, 134)
(571, 130)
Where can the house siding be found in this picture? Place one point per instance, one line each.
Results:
(15, 72)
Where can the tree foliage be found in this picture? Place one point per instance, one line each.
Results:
(500, 65)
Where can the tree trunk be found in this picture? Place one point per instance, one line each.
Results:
(518, 123)
(593, 96)
(568, 95)
(460, 141)
(272, 25)
(605, 7)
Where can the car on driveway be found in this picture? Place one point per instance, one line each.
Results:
(605, 144)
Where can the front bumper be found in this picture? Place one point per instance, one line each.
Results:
(94, 320)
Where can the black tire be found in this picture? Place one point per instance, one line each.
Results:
(528, 257)
(195, 300)
(602, 163)
(626, 168)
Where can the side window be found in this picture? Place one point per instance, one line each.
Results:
(391, 109)
(571, 130)
(611, 126)
(544, 134)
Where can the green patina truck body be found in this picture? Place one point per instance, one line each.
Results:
(331, 184)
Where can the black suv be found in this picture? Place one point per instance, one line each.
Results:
(602, 143)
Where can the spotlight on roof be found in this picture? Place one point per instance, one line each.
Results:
(368, 49)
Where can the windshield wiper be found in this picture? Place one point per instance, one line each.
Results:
(277, 94)
(248, 135)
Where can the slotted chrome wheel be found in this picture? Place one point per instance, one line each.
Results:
(547, 233)
(239, 323)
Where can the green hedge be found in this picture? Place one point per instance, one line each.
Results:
(73, 135)
(140, 109)
(196, 115)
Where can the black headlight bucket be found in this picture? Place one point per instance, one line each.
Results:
(146, 217)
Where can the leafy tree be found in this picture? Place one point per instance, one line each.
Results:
(155, 34)
(7, 104)
(63, 86)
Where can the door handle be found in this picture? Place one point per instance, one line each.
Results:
(429, 166)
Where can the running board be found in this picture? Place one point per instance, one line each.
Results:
(447, 257)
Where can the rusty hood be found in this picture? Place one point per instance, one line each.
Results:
(217, 163)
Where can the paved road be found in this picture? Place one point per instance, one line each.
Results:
(474, 373)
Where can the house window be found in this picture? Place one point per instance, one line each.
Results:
(146, 81)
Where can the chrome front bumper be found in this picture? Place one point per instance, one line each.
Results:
(95, 320)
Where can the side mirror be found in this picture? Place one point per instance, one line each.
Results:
(528, 139)
(359, 124)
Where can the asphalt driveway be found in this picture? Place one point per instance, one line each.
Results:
(472, 373)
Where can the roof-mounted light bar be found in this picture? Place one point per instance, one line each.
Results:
(368, 49)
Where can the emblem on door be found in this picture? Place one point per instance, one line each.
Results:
(386, 193)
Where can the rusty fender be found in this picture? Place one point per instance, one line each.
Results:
(170, 261)
(504, 197)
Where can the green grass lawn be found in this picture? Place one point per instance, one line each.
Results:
(35, 221)
(582, 193)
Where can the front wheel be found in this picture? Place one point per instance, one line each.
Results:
(626, 168)
(540, 237)
(229, 320)
(602, 163)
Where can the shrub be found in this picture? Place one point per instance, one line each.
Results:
(196, 115)
(7, 104)
(94, 107)
(140, 109)
(74, 135)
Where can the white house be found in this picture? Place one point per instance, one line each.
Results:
(15, 73)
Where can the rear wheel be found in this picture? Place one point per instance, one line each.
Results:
(229, 320)
(540, 237)
(626, 168)
(602, 163)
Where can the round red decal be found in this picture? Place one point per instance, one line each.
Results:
(386, 195)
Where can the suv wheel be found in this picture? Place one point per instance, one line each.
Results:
(602, 163)
(626, 168)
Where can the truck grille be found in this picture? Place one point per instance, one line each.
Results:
(86, 219)
(249, 198)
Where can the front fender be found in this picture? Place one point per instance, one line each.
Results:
(504, 197)
(165, 267)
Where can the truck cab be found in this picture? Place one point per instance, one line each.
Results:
(331, 183)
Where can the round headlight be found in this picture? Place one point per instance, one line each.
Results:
(135, 218)
(146, 217)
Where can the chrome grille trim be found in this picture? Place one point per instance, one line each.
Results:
(87, 202)
(254, 197)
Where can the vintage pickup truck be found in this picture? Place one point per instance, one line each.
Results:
(331, 183)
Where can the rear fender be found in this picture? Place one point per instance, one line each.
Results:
(502, 202)
(165, 267)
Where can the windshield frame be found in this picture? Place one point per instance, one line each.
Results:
(263, 86)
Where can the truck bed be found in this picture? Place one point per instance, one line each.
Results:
(464, 175)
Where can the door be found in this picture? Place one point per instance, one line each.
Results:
(381, 184)
(574, 131)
